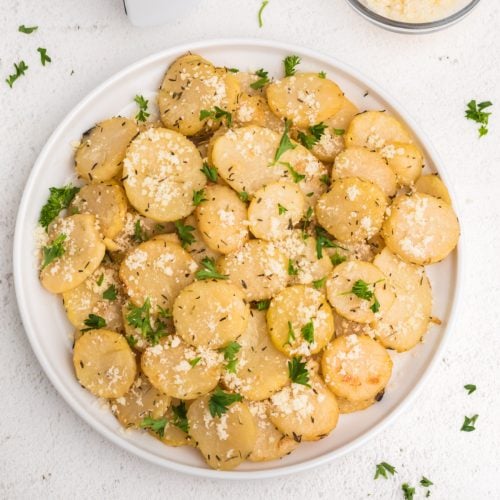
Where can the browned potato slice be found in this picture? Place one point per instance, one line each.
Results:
(259, 269)
(198, 249)
(300, 321)
(179, 370)
(104, 363)
(353, 210)
(107, 202)
(275, 209)
(304, 98)
(142, 400)
(173, 435)
(260, 369)
(157, 270)
(102, 148)
(346, 406)
(192, 84)
(375, 129)
(347, 277)
(356, 367)
(221, 219)
(407, 320)
(83, 252)
(367, 165)
(270, 444)
(210, 313)
(162, 169)
(406, 161)
(305, 413)
(434, 186)
(421, 229)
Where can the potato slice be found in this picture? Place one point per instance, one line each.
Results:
(343, 326)
(375, 129)
(421, 229)
(304, 98)
(254, 110)
(259, 269)
(353, 210)
(162, 169)
(270, 444)
(198, 249)
(346, 277)
(300, 321)
(102, 148)
(210, 313)
(221, 219)
(83, 252)
(406, 161)
(192, 84)
(434, 186)
(173, 435)
(356, 367)
(305, 413)
(367, 165)
(225, 441)
(245, 80)
(104, 363)
(260, 369)
(275, 209)
(346, 406)
(157, 270)
(405, 323)
(179, 370)
(142, 400)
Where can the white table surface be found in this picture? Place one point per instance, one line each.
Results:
(47, 451)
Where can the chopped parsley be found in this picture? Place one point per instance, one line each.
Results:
(27, 29)
(475, 112)
(243, 195)
(139, 233)
(408, 491)
(315, 133)
(93, 322)
(184, 233)
(110, 293)
(290, 63)
(382, 469)
(338, 131)
(193, 362)
(292, 270)
(322, 75)
(261, 10)
(337, 259)
(157, 425)
(210, 172)
(20, 70)
(262, 305)
(140, 318)
(325, 179)
(285, 143)
(209, 271)
(262, 81)
(180, 417)
(53, 251)
(100, 280)
(297, 371)
(132, 341)
(470, 388)
(217, 114)
(319, 283)
(282, 209)
(142, 115)
(233, 70)
(469, 423)
(44, 57)
(363, 290)
(296, 177)
(59, 199)
(425, 482)
(220, 401)
(198, 197)
(291, 334)
(230, 352)
(323, 241)
(308, 332)
(306, 222)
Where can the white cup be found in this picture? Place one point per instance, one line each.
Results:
(144, 13)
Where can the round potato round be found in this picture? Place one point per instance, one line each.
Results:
(356, 367)
(433, 185)
(210, 313)
(104, 363)
(198, 249)
(421, 229)
(353, 210)
(161, 171)
(405, 160)
(254, 110)
(346, 406)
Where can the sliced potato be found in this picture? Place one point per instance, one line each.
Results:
(356, 367)
(104, 363)
(83, 252)
(346, 406)
(224, 441)
(433, 185)
(343, 326)
(198, 249)
(179, 370)
(358, 276)
(421, 229)
(254, 110)
(246, 79)
(406, 161)
(353, 210)
(102, 149)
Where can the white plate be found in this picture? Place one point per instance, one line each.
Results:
(50, 333)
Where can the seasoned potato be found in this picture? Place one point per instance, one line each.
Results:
(367, 165)
(224, 441)
(343, 326)
(270, 443)
(300, 321)
(421, 229)
(353, 210)
(104, 363)
(374, 130)
(246, 80)
(346, 406)
(173, 435)
(83, 251)
(102, 148)
(406, 322)
(275, 209)
(198, 249)
(192, 84)
(356, 367)
(259, 269)
(254, 110)
(304, 98)
(366, 280)
(260, 369)
(157, 270)
(210, 313)
(179, 370)
(107, 202)
(406, 161)
(221, 219)
(434, 186)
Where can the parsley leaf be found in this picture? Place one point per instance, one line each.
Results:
(139, 234)
(408, 491)
(157, 425)
(306, 222)
(337, 259)
(382, 469)
(262, 81)
(338, 131)
(59, 199)
(361, 290)
(475, 112)
(469, 423)
(140, 318)
(426, 482)
(290, 62)
(93, 322)
(230, 352)
(193, 362)
(308, 332)
(44, 58)
(285, 143)
(217, 114)
(198, 197)
(297, 371)
(322, 74)
(282, 209)
(315, 133)
(100, 280)
(243, 195)
(291, 334)
(220, 401)
(375, 307)
(319, 283)
(20, 70)
(27, 29)
(292, 270)
(132, 341)
(325, 179)
(54, 251)
(259, 15)
(296, 177)
(110, 293)
(470, 388)
(184, 233)
(262, 305)
(209, 271)
(323, 241)
(210, 172)
(142, 115)
(180, 417)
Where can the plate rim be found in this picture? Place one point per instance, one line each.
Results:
(195, 470)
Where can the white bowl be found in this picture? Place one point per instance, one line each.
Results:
(50, 333)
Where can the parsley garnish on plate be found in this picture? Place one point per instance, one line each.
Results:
(425, 482)
(363, 290)
(93, 322)
(219, 401)
(261, 10)
(322, 74)
(308, 332)
(382, 469)
(209, 271)
(319, 283)
(262, 305)
(53, 251)
(325, 179)
(339, 131)
(285, 143)
(469, 423)
(180, 417)
(217, 114)
(193, 362)
(142, 115)
(296, 177)
(315, 133)
(290, 335)
(139, 233)
(292, 270)
(198, 197)
(110, 293)
(475, 112)
(282, 209)
(184, 233)
(140, 318)
(262, 81)
(132, 341)
(44, 57)
(297, 371)
(290, 63)
(230, 352)
(243, 196)
(323, 241)
(470, 388)
(210, 172)
(20, 68)
(27, 29)
(408, 491)
(59, 199)
(337, 259)
(100, 280)
(157, 425)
